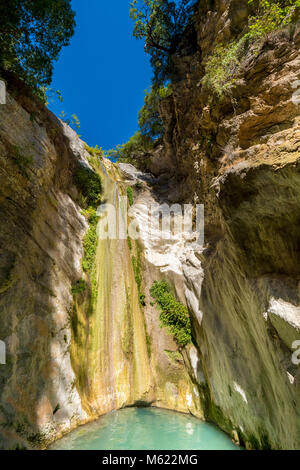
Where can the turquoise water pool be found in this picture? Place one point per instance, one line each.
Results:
(146, 429)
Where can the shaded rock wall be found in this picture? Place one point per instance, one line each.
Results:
(239, 156)
(40, 257)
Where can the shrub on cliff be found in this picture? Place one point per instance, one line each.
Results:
(89, 184)
(32, 34)
(174, 315)
(265, 17)
(150, 121)
(130, 152)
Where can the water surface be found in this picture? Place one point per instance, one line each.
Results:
(146, 429)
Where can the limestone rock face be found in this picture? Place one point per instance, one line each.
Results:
(40, 257)
(240, 156)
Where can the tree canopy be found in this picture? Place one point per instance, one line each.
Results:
(161, 23)
(150, 121)
(32, 33)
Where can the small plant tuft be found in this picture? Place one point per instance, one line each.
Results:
(130, 195)
(90, 242)
(174, 315)
(223, 65)
(89, 184)
(79, 287)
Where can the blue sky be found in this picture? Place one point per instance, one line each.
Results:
(103, 73)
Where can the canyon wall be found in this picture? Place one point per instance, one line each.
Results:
(239, 156)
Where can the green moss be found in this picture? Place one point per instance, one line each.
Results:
(127, 334)
(9, 279)
(174, 315)
(142, 300)
(79, 287)
(130, 195)
(90, 242)
(174, 356)
(23, 161)
(136, 263)
(95, 156)
(89, 184)
(223, 65)
(7, 284)
(37, 439)
(148, 342)
(216, 415)
(76, 325)
(129, 243)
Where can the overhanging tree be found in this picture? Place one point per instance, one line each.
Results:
(161, 23)
(32, 34)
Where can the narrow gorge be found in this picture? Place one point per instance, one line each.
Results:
(83, 334)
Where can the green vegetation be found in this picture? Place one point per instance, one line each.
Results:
(129, 243)
(95, 156)
(136, 263)
(174, 315)
(132, 151)
(151, 128)
(90, 241)
(79, 287)
(32, 34)
(270, 16)
(90, 247)
(130, 195)
(148, 342)
(73, 121)
(174, 356)
(89, 184)
(23, 161)
(127, 330)
(223, 65)
(150, 122)
(161, 24)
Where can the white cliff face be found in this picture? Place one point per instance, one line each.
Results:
(288, 312)
(172, 251)
(285, 317)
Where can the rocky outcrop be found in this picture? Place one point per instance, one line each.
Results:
(239, 156)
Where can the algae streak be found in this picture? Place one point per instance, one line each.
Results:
(109, 348)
